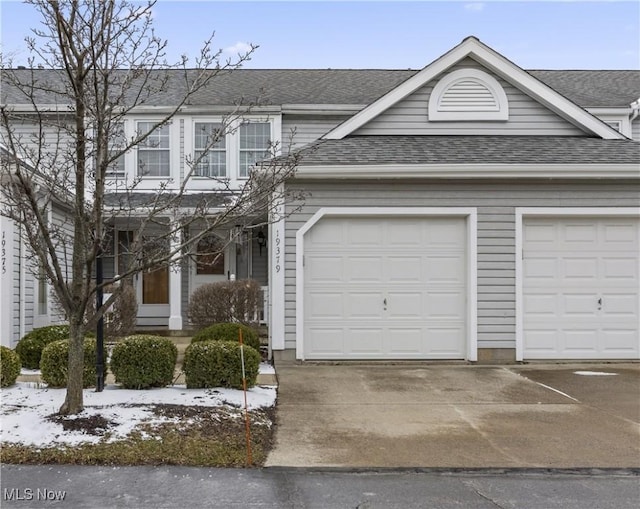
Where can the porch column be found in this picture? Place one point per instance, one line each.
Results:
(175, 281)
(7, 271)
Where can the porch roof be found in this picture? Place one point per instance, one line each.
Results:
(210, 200)
(408, 150)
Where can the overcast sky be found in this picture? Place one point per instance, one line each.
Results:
(387, 34)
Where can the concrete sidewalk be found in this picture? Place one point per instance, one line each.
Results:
(424, 415)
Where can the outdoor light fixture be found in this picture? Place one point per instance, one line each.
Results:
(262, 241)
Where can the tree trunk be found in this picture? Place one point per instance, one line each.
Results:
(73, 403)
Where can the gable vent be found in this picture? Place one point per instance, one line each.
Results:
(468, 94)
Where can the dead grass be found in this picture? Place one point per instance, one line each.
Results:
(196, 436)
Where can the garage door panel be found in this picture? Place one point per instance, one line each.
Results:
(444, 342)
(620, 304)
(325, 269)
(364, 341)
(404, 305)
(446, 269)
(363, 305)
(404, 269)
(580, 288)
(363, 269)
(326, 304)
(620, 341)
(445, 305)
(620, 268)
(404, 341)
(327, 341)
(416, 264)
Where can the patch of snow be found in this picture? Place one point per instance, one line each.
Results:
(25, 371)
(267, 369)
(594, 373)
(25, 407)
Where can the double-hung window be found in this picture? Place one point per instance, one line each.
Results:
(254, 145)
(116, 142)
(154, 152)
(210, 150)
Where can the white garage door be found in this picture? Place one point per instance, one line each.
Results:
(580, 288)
(385, 288)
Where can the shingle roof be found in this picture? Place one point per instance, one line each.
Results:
(365, 150)
(349, 86)
(140, 199)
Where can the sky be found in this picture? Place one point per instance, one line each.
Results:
(562, 34)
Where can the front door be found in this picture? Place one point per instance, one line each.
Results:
(212, 262)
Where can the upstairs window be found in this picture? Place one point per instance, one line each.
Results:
(116, 142)
(210, 150)
(254, 145)
(154, 152)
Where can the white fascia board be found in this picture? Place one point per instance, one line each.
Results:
(470, 171)
(472, 47)
(623, 110)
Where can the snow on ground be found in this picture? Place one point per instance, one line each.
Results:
(25, 406)
(594, 373)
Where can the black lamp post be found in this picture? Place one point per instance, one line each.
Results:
(99, 326)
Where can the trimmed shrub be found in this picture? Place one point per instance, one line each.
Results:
(29, 348)
(143, 361)
(55, 361)
(226, 301)
(218, 364)
(9, 366)
(228, 332)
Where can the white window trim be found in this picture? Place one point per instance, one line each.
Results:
(478, 76)
(150, 181)
(559, 212)
(472, 261)
(232, 179)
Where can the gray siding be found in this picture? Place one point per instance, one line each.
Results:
(17, 297)
(526, 116)
(495, 202)
(635, 129)
(298, 130)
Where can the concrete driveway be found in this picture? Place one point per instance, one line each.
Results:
(458, 416)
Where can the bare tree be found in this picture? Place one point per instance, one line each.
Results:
(92, 63)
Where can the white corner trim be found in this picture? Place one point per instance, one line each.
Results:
(472, 47)
(461, 112)
(472, 260)
(466, 171)
(520, 214)
(276, 255)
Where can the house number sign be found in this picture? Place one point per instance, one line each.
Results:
(3, 252)
(278, 241)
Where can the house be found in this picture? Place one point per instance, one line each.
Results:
(469, 210)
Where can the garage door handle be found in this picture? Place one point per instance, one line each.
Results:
(385, 302)
(600, 303)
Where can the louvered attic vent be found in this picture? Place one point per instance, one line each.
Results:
(468, 94)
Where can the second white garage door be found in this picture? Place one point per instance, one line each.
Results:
(385, 288)
(580, 288)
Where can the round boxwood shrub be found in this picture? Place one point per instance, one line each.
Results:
(9, 366)
(55, 361)
(29, 348)
(143, 361)
(218, 364)
(228, 331)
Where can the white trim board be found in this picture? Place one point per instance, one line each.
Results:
(472, 260)
(559, 212)
(472, 47)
